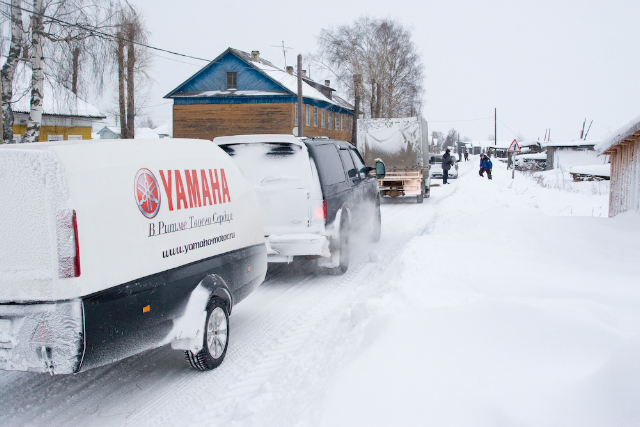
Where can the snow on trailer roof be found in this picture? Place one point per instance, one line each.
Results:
(535, 156)
(627, 130)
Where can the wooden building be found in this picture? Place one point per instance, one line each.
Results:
(571, 153)
(240, 93)
(64, 115)
(623, 148)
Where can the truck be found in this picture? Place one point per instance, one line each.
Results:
(110, 248)
(402, 145)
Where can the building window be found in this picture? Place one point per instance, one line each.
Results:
(315, 116)
(322, 118)
(232, 80)
(330, 122)
(17, 138)
(54, 138)
(295, 114)
(337, 122)
(74, 137)
(307, 115)
(341, 121)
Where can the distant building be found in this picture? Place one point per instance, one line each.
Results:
(623, 147)
(64, 115)
(572, 153)
(240, 93)
(109, 132)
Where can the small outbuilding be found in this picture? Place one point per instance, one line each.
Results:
(571, 153)
(623, 148)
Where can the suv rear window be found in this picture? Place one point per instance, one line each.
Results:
(329, 164)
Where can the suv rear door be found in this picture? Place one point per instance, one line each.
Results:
(281, 175)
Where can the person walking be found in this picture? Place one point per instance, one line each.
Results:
(485, 166)
(447, 162)
(466, 156)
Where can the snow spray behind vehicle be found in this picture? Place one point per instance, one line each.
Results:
(402, 144)
(110, 248)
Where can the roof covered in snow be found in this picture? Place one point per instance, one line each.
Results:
(207, 82)
(628, 129)
(578, 143)
(596, 170)
(58, 100)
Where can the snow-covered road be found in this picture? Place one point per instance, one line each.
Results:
(282, 336)
(485, 308)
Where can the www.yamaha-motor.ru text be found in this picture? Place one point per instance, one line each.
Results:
(184, 249)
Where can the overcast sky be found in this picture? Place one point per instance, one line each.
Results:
(542, 64)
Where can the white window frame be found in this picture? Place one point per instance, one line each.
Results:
(330, 120)
(55, 138)
(315, 116)
(74, 137)
(307, 113)
(322, 118)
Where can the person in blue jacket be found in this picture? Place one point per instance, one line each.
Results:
(485, 166)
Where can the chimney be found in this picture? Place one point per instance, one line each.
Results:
(304, 73)
(255, 55)
(327, 82)
(290, 69)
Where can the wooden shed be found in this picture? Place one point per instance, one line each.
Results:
(240, 93)
(623, 148)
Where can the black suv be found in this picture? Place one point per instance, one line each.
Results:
(314, 194)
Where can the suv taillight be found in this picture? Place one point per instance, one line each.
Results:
(324, 209)
(68, 244)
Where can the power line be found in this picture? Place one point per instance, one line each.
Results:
(95, 31)
(452, 121)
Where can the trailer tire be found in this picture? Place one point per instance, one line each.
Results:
(215, 339)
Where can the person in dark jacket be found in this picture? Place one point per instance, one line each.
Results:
(485, 166)
(447, 162)
(466, 156)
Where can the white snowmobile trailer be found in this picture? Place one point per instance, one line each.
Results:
(109, 248)
(402, 145)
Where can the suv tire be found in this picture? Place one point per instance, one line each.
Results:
(343, 247)
(215, 339)
(377, 224)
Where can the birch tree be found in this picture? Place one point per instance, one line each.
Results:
(382, 51)
(37, 74)
(9, 69)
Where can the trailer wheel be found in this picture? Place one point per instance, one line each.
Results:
(215, 340)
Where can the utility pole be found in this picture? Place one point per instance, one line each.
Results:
(300, 119)
(357, 81)
(495, 126)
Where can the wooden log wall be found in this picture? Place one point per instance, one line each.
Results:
(624, 194)
(208, 121)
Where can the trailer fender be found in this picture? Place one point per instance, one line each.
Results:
(188, 330)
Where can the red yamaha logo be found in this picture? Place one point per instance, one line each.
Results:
(147, 193)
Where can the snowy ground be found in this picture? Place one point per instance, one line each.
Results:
(493, 303)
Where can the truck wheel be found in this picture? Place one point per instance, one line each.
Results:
(377, 224)
(215, 340)
(344, 250)
(421, 195)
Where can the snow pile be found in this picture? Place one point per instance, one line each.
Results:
(501, 315)
(596, 170)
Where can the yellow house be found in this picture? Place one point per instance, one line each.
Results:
(65, 116)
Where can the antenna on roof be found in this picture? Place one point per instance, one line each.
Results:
(585, 135)
(284, 52)
(582, 131)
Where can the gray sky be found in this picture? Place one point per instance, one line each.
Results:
(542, 64)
